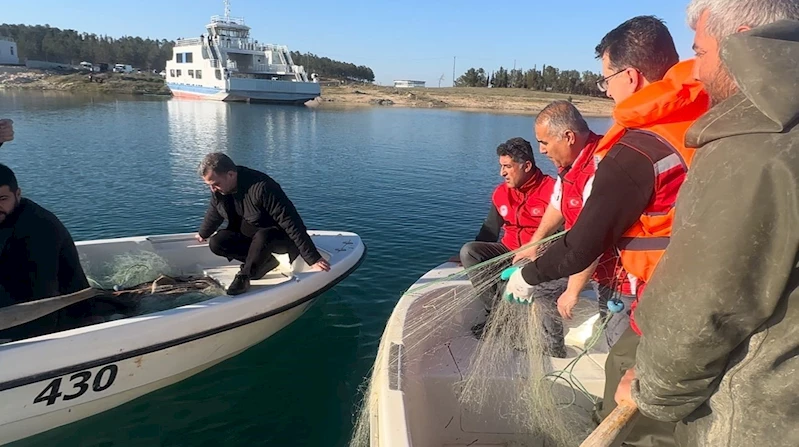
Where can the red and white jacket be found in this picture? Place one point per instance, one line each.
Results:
(571, 191)
(522, 209)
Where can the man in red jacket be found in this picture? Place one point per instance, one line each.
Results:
(518, 205)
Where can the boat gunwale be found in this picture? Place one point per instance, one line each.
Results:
(53, 373)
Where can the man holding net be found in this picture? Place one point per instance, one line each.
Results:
(518, 205)
(719, 318)
(564, 137)
(644, 161)
(261, 221)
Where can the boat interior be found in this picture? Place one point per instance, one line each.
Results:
(431, 378)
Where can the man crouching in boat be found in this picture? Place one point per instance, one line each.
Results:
(517, 208)
(38, 259)
(261, 221)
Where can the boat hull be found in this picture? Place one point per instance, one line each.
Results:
(251, 90)
(121, 360)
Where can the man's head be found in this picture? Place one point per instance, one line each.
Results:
(9, 192)
(713, 20)
(636, 53)
(561, 132)
(516, 163)
(219, 173)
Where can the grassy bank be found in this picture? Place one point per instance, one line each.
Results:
(505, 100)
(109, 83)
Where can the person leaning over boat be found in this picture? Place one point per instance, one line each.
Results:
(719, 349)
(261, 221)
(38, 259)
(643, 163)
(517, 207)
(564, 137)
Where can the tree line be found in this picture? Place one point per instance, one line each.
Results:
(46, 43)
(548, 78)
(329, 68)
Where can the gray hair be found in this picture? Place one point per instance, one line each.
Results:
(560, 116)
(217, 162)
(726, 16)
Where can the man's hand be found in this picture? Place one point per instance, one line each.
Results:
(624, 390)
(199, 238)
(321, 265)
(566, 303)
(517, 290)
(530, 253)
(6, 130)
(456, 259)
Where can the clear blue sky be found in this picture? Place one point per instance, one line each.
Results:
(407, 39)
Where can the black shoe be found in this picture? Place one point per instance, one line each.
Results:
(239, 285)
(259, 271)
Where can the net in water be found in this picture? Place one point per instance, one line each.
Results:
(545, 403)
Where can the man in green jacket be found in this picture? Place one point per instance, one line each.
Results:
(719, 352)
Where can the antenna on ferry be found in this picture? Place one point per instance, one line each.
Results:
(227, 10)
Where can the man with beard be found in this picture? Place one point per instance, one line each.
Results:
(720, 316)
(38, 258)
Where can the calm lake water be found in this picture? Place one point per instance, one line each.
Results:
(414, 183)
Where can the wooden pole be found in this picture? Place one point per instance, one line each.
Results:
(612, 431)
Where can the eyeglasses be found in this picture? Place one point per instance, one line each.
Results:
(602, 84)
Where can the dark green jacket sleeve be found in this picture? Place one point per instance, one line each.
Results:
(732, 251)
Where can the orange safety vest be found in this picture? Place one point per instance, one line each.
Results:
(665, 109)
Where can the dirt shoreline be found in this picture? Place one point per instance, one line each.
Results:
(491, 100)
(506, 100)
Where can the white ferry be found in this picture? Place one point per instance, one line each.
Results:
(227, 65)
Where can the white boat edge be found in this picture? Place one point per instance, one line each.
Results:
(52, 383)
(391, 408)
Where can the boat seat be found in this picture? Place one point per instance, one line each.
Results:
(224, 272)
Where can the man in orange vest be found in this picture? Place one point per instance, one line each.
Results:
(719, 349)
(643, 164)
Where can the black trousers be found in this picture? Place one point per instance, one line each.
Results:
(646, 432)
(475, 252)
(253, 246)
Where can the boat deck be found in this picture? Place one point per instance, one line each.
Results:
(225, 272)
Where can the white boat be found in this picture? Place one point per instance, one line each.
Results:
(55, 379)
(226, 64)
(413, 395)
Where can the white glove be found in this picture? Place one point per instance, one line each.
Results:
(517, 290)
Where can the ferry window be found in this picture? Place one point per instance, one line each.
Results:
(218, 74)
(177, 72)
(179, 58)
(198, 74)
(189, 58)
(191, 73)
(12, 51)
(171, 73)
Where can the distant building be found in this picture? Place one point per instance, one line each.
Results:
(8, 51)
(408, 84)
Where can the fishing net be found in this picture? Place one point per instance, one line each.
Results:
(510, 373)
(138, 283)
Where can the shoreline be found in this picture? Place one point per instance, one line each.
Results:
(512, 101)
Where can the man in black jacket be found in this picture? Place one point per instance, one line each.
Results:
(38, 259)
(261, 221)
